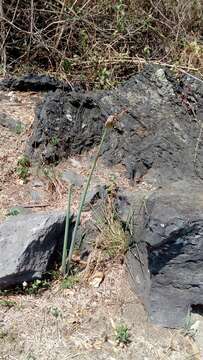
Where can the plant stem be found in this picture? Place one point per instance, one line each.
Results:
(83, 200)
(65, 242)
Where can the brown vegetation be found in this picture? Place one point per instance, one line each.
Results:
(101, 41)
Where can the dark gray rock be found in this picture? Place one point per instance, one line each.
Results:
(10, 123)
(74, 119)
(95, 193)
(165, 259)
(158, 132)
(36, 196)
(33, 82)
(73, 178)
(28, 245)
(86, 238)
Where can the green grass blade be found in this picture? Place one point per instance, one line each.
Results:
(83, 200)
(65, 242)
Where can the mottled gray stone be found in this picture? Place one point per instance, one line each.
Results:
(27, 246)
(165, 260)
(73, 178)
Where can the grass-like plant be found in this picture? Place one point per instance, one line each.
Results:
(66, 263)
(65, 243)
(113, 238)
(70, 281)
(122, 334)
(82, 201)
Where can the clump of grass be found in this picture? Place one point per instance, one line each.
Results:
(122, 334)
(70, 281)
(8, 303)
(113, 238)
(23, 166)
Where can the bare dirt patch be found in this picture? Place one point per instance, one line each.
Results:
(80, 324)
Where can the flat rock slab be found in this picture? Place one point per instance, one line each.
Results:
(166, 260)
(27, 246)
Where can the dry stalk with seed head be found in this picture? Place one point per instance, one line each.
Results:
(109, 124)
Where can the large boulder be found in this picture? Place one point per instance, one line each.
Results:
(165, 259)
(158, 134)
(28, 245)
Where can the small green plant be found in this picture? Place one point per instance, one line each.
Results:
(67, 65)
(3, 334)
(122, 334)
(19, 128)
(83, 39)
(36, 286)
(8, 303)
(23, 168)
(55, 140)
(69, 282)
(119, 8)
(31, 357)
(55, 312)
(104, 77)
(13, 211)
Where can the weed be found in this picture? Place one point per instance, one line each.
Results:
(103, 77)
(31, 357)
(37, 286)
(70, 281)
(3, 334)
(65, 242)
(83, 39)
(55, 312)
(66, 65)
(55, 140)
(19, 128)
(7, 303)
(113, 238)
(23, 168)
(120, 15)
(122, 334)
(13, 211)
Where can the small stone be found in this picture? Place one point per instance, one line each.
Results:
(73, 178)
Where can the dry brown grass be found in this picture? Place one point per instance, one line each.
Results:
(101, 42)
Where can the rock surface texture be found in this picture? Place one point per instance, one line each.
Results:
(157, 135)
(33, 82)
(159, 139)
(165, 259)
(27, 246)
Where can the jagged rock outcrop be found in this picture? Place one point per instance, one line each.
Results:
(165, 258)
(158, 135)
